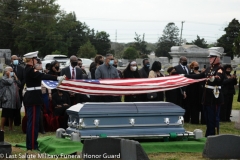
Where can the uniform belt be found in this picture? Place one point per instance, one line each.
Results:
(33, 88)
(212, 87)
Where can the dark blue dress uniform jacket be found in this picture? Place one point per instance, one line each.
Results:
(33, 79)
(208, 96)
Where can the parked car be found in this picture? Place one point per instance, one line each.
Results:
(85, 63)
(62, 59)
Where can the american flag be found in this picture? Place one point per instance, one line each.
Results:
(121, 86)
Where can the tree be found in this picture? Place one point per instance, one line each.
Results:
(200, 42)
(35, 28)
(9, 12)
(140, 44)
(87, 50)
(101, 42)
(236, 46)
(130, 53)
(168, 39)
(56, 52)
(73, 33)
(228, 39)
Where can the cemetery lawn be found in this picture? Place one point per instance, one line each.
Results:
(225, 128)
(236, 104)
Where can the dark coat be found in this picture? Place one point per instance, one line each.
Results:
(174, 96)
(144, 72)
(238, 90)
(66, 71)
(208, 96)
(228, 85)
(93, 73)
(34, 79)
(194, 96)
(78, 98)
(20, 73)
(131, 74)
(179, 69)
(11, 93)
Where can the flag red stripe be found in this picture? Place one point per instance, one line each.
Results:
(122, 87)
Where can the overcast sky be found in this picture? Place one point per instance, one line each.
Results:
(206, 18)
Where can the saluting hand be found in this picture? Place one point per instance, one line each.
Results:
(15, 76)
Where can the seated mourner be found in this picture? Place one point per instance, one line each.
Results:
(61, 102)
(12, 103)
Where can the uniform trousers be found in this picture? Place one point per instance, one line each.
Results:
(33, 115)
(212, 119)
(46, 103)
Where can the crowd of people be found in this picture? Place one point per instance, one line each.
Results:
(202, 101)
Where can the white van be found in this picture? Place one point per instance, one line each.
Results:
(62, 59)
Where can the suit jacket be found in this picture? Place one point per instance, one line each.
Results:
(179, 69)
(20, 73)
(143, 73)
(66, 71)
(79, 98)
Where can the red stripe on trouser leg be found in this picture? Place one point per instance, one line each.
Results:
(33, 125)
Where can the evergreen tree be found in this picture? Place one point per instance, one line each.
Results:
(87, 50)
(101, 42)
(130, 53)
(35, 29)
(168, 39)
(236, 46)
(200, 42)
(228, 39)
(140, 44)
(10, 11)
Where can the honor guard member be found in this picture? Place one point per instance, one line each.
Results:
(212, 94)
(33, 98)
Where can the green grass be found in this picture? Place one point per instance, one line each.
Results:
(236, 104)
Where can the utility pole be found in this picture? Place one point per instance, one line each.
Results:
(181, 34)
(115, 42)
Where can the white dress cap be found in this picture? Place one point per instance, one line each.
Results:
(214, 53)
(31, 54)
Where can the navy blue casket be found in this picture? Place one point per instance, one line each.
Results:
(129, 119)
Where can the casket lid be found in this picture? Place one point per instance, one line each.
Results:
(125, 108)
(104, 108)
(158, 107)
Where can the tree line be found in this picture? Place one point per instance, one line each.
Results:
(29, 25)
(230, 41)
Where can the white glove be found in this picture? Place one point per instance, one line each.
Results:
(182, 75)
(61, 78)
(211, 79)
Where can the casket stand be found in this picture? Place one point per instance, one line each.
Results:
(126, 120)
